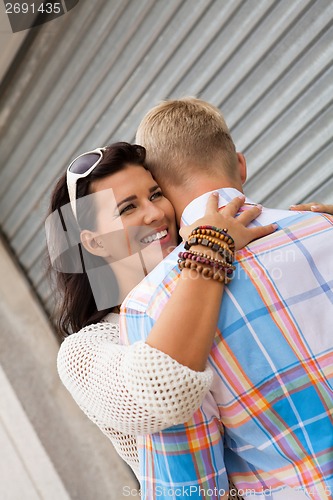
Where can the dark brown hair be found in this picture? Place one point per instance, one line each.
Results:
(76, 305)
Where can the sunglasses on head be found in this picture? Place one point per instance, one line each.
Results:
(82, 166)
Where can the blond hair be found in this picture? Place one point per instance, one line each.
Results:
(186, 136)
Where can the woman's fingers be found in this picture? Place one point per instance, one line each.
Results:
(261, 231)
(226, 218)
(243, 235)
(249, 215)
(233, 206)
(230, 209)
(328, 209)
(212, 204)
(313, 207)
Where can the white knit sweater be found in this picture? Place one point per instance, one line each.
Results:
(128, 390)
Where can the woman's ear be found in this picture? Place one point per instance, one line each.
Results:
(93, 243)
(242, 167)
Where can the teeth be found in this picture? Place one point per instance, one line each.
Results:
(154, 237)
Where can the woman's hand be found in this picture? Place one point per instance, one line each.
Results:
(313, 207)
(225, 219)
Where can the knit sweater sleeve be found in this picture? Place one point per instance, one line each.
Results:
(132, 389)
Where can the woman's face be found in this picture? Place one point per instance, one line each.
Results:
(132, 214)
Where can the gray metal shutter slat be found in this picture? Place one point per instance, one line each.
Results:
(43, 75)
(289, 157)
(264, 87)
(316, 171)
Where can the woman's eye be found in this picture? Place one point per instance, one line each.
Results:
(158, 194)
(126, 209)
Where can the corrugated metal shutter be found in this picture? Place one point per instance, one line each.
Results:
(86, 79)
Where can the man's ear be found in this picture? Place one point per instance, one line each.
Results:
(93, 243)
(242, 167)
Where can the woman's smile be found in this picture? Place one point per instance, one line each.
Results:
(144, 215)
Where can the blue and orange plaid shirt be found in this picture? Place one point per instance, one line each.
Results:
(267, 421)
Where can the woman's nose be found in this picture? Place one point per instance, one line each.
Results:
(152, 213)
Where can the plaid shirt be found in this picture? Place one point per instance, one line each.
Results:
(268, 419)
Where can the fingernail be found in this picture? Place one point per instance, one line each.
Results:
(215, 193)
(259, 206)
(315, 207)
(241, 197)
(275, 226)
(292, 206)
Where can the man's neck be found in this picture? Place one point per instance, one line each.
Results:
(181, 196)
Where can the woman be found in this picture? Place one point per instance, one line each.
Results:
(119, 214)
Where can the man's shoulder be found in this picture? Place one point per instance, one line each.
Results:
(311, 223)
(291, 219)
(302, 229)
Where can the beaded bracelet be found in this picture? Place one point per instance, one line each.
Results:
(213, 262)
(219, 241)
(204, 262)
(205, 259)
(212, 229)
(208, 241)
(212, 239)
(220, 276)
(222, 234)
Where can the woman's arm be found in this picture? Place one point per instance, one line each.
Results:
(130, 389)
(186, 327)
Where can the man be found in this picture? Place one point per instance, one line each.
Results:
(267, 421)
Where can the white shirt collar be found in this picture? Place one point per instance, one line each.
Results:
(199, 204)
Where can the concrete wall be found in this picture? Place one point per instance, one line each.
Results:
(49, 449)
